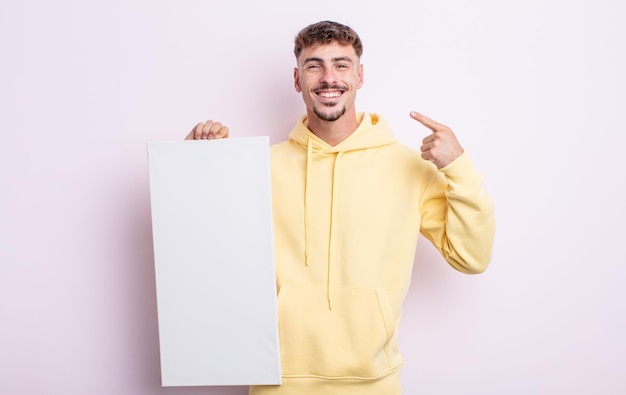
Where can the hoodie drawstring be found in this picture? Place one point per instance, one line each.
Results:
(309, 162)
(332, 230)
(307, 236)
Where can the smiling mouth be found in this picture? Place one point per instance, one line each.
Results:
(330, 95)
(329, 92)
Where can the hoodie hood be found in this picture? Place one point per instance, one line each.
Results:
(372, 132)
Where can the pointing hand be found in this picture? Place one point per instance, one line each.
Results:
(441, 147)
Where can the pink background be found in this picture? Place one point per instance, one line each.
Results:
(534, 90)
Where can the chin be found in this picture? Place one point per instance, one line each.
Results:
(329, 117)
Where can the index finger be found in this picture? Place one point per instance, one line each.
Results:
(424, 120)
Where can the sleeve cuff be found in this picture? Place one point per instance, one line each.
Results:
(461, 172)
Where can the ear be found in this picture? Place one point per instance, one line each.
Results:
(296, 80)
(359, 78)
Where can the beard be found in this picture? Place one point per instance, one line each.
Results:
(333, 116)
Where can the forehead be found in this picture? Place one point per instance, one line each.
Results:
(328, 52)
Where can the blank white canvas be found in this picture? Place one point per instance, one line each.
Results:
(214, 262)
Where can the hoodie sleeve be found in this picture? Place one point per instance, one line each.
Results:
(458, 216)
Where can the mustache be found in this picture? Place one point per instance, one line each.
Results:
(324, 87)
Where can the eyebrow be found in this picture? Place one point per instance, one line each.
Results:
(333, 60)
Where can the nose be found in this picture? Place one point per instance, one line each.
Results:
(328, 76)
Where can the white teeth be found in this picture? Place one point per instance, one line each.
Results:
(330, 94)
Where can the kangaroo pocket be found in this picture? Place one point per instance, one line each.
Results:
(354, 339)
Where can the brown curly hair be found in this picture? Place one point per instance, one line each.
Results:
(325, 32)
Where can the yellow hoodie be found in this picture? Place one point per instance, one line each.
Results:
(347, 220)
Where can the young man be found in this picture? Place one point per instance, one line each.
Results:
(349, 204)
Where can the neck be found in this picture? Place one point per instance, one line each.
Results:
(333, 132)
